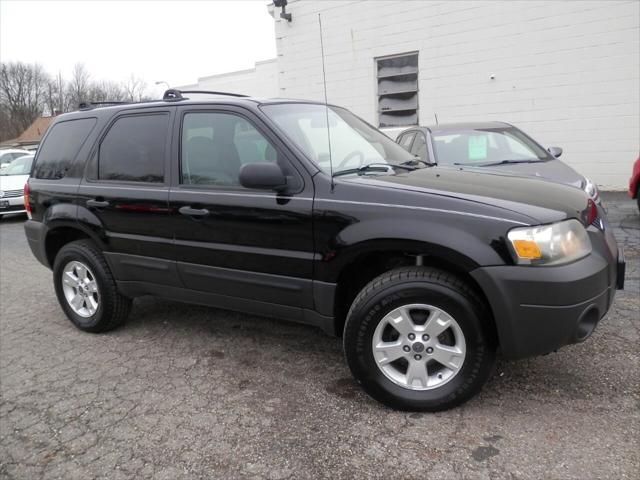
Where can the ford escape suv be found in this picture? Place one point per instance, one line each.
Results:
(303, 211)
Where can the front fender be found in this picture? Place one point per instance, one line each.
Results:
(459, 242)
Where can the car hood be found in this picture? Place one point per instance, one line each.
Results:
(541, 200)
(554, 170)
(13, 182)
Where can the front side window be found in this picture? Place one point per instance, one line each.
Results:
(216, 145)
(486, 146)
(134, 149)
(419, 147)
(405, 141)
(60, 147)
(354, 143)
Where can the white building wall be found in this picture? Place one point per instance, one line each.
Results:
(568, 73)
(261, 81)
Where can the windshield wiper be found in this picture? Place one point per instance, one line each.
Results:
(501, 162)
(416, 161)
(374, 167)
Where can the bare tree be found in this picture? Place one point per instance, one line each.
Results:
(23, 90)
(55, 96)
(79, 87)
(135, 88)
(107, 92)
(27, 91)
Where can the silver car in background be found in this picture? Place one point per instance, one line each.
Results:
(494, 146)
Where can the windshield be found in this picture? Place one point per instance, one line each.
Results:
(20, 166)
(354, 143)
(482, 146)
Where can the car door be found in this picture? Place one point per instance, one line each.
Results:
(124, 195)
(230, 240)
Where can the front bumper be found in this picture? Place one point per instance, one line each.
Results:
(11, 205)
(540, 309)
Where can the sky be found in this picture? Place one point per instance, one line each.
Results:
(172, 41)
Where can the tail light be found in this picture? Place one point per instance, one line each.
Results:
(27, 203)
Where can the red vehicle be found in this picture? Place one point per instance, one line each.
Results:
(634, 182)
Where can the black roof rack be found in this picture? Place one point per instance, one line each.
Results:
(90, 105)
(173, 94)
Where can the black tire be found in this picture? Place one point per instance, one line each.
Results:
(420, 285)
(113, 308)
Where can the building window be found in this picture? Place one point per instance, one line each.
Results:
(397, 77)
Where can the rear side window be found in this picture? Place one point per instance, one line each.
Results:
(134, 149)
(61, 146)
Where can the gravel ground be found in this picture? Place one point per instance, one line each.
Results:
(192, 392)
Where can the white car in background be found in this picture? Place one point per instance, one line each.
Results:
(12, 180)
(10, 154)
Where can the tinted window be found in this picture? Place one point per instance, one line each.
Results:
(405, 141)
(419, 147)
(216, 145)
(61, 146)
(133, 149)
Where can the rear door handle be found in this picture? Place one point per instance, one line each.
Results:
(97, 203)
(194, 212)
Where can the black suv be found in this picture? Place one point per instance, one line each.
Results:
(305, 212)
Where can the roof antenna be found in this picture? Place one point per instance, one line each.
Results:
(326, 105)
(436, 115)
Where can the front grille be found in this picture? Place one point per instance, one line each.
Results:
(597, 222)
(12, 209)
(11, 193)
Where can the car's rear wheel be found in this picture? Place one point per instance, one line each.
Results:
(87, 290)
(419, 339)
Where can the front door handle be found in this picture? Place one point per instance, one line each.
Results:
(97, 203)
(194, 212)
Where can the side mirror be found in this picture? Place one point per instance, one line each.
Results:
(555, 151)
(263, 175)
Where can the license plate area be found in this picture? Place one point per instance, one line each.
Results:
(4, 203)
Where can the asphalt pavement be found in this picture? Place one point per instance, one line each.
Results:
(189, 392)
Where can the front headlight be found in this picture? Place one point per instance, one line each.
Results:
(591, 189)
(553, 244)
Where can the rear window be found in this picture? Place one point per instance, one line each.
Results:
(133, 149)
(61, 146)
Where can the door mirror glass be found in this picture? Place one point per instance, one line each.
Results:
(266, 176)
(555, 151)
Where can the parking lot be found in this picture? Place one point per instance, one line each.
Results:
(193, 392)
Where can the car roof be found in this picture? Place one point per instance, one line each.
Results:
(447, 127)
(92, 110)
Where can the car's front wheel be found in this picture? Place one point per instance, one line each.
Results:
(87, 290)
(419, 339)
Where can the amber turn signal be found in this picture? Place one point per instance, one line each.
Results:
(527, 249)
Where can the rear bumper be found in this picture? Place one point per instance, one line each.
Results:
(538, 310)
(36, 233)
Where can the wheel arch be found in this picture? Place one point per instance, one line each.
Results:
(60, 233)
(377, 257)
